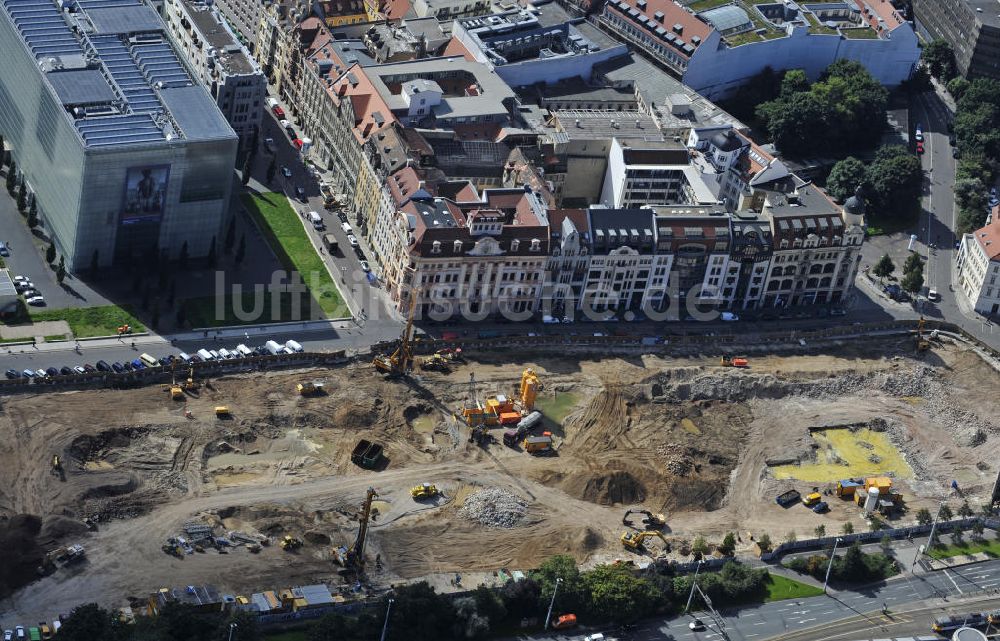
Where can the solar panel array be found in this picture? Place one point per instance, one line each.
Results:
(123, 68)
(43, 28)
(119, 130)
(160, 65)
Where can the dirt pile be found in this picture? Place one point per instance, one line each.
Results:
(618, 487)
(495, 507)
(20, 554)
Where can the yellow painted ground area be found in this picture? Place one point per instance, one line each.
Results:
(688, 426)
(844, 453)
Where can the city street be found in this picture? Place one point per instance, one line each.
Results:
(847, 615)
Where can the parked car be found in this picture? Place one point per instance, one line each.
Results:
(37, 301)
(933, 295)
(40, 373)
(117, 367)
(127, 366)
(138, 365)
(342, 216)
(12, 374)
(19, 278)
(65, 370)
(79, 369)
(286, 172)
(90, 369)
(918, 133)
(21, 285)
(4, 249)
(51, 371)
(29, 373)
(920, 147)
(103, 366)
(729, 316)
(269, 144)
(300, 193)
(347, 228)
(8, 635)
(352, 240)
(364, 266)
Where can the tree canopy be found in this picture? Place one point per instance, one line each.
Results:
(939, 58)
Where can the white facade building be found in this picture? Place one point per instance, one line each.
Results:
(978, 266)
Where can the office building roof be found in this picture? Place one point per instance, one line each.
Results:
(125, 42)
(588, 124)
(674, 24)
(677, 106)
(229, 53)
(987, 11)
(988, 236)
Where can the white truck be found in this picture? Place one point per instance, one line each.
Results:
(274, 348)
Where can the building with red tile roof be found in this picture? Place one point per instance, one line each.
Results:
(978, 266)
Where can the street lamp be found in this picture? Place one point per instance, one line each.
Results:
(385, 626)
(548, 616)
(930, 537)
(693, 585)
(829, 567)
(232, 626)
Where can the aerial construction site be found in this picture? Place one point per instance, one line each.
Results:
(477, 464)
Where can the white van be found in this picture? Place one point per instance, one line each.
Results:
(345, 227)
(205, 355)
(184, 357)
(317, 221)
(224, 353)
(244, 350)
(273, 348)
(149, 360)
(293, 346)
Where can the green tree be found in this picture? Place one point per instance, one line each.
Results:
(90, 621)
(912, 282)
(939, 58)
(848, 528)
(790, 537)
(971, 193)
(699, 547)
(795, 123)
(924, 516)
(845, 177)
(945, 514)
(22, 197)
(420, 613)
(886, 542)
(884, 267)
(957, 87)
(618, 595)
(913, 263)
(572, 592)
(50, 252)
(895, 177)
(230, 236)
(11, 177)
(728, 545)
(965, 510)
(247, 627)
(61, 270)
(764, 542)
(795, 81)
(241, 250)
(819, 531)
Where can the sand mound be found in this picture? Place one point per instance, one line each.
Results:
(617, 487)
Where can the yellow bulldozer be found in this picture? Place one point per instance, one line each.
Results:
(635, 541)
(176, 391)
(309, 388)
(290, 543)
(424, 491)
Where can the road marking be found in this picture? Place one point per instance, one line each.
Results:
(807, 620)
(761, 623)
(950, 578)
(751, 635)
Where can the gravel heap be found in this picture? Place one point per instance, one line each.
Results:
(495, 507)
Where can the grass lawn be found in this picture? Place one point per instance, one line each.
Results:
(288, 240)
(702, 5)
(92, 321)
(989, 546)
(780, 588)
(201, 312)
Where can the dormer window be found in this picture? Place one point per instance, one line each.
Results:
(797, 243)
(514, 244)
(436, 247)
(457, 246)
(536, 245)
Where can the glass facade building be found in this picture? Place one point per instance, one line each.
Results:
(127, 156)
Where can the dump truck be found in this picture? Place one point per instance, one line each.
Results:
(537, 444)
(358, 454)
(787, 498)
(367, 454)
(222, 411)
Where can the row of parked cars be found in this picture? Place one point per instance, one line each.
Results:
(145, 361)
(43, 631)
(27, 289)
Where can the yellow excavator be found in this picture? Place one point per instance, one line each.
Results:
(652, 521)
(290, 543)
(353, 558)
(922, 343)
(176, 391)
(635, 541)
(400, 362)
(190, 384)
(424, 491)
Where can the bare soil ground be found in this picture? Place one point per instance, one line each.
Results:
(680, 436)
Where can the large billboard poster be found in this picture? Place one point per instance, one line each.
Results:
(145, 193)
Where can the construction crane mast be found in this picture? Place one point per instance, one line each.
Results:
(400, 362)
(355, 560)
